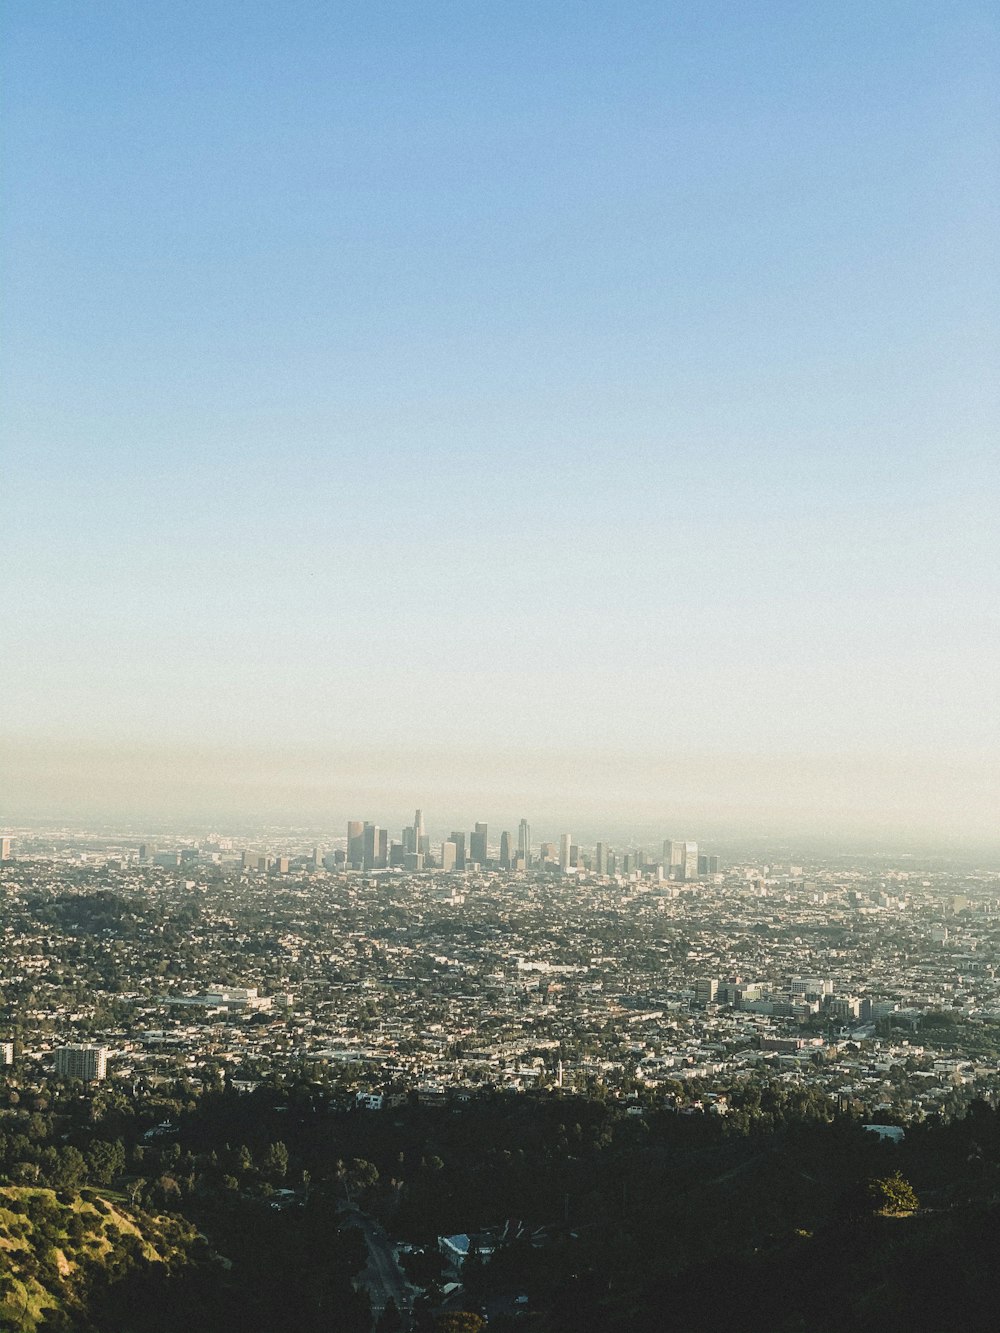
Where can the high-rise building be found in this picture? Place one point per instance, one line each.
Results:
(6, 1052)
(600, 859)
(690, 867)
(449, 855)
(565, 845)
(506, 851)
(477, 845)
(675, 858)
(355, 843)
(376, 847)
(524, 842)
(422, 842)
(89, 1063)
(459, 840)
(705, 990)
(376, 842)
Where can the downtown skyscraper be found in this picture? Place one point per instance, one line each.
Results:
(477, 845)
(524, 842)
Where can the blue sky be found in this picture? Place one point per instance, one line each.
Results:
(605, 378)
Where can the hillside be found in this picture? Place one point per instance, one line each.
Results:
(62, 1253)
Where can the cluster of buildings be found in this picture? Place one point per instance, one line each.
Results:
(659, 975)
(368, 847)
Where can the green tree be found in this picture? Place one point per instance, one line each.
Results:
(892, 1194)
(71, 1170)
(105, 1160)
(460, 1321)
(275, 1163)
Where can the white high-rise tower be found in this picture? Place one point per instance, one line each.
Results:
(524, 842)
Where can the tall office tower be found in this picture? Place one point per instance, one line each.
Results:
(506, 851)
(355, 843)
(396, 854)
(690, 860)
(477, 845)
(317, 858)
(409, 839)
(459, 840)
(574, 855)
(667, 844)
(382, 849)
(424, 844)
(369, 858)
(612, 863)
(628, 863)
(565, 844)
(418, 828)
(143, 850)
(449, 855)
(676, 862)
(705, 990)
(600, 859)
(89, 1063)
(702, 864)
(524, 842)
(713, 865)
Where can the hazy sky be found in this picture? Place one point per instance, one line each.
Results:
(592, 402)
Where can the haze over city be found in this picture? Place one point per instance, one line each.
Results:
(584, 411)
(499, 724)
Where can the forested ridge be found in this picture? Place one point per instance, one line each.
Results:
(131, 1208)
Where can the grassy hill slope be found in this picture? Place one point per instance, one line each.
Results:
(59, 1250)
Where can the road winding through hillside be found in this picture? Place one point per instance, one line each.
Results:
(382, 1278)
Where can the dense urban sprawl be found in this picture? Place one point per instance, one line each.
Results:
(652, 984)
